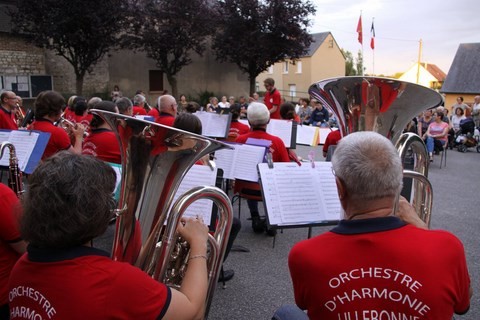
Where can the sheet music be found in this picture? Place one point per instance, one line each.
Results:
(198, 175)
(297, 195)
(240, 163)
(213, 124)
(282, 129)
(307, 135)
(324, 133)
(24, 142)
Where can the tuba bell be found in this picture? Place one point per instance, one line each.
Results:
(385, 106)
(147, 219)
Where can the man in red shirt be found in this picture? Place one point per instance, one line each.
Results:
(377, 263)
(332, 139)
(7, 110)
(11, 245)
(258, 118)
(272, 99)
(139, 105)
(167, 112)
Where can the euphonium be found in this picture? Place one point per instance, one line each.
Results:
(385, 106)
(151, 175)
(14, 174)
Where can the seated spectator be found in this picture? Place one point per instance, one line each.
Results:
(319, 116)
(437, 135)
(376, 259)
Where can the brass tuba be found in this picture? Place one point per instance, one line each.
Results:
(155, 158)
(385, 106)
(15, 181)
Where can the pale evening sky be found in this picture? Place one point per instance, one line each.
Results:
(399, 25)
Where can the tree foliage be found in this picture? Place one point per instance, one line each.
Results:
(349, 64)
(82, 32)
(170, 30)
(255, 34)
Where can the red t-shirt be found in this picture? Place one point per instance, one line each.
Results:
(271, 99)
(59, 139)
(103, 144)
(9, 233)
(277, 148)
(332, 139)
(83, 119)
(139, 111)
(237, 129)
(154, 113)
(7, 119)
(158, 142)
(70, 115)
(392, 271)
(83, 283)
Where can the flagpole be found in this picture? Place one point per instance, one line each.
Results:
(363, 57)
(373, 51)
(419, 60)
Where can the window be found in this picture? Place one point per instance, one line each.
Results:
(270, 69)
(155, 80)
(285, 67)
(293, 90)
(299, 66)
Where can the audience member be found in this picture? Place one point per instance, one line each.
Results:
(116, 93)
(374, 263)
(319, 116)
(63, 269)
(436, 135)
(304, 110)
(476, 111)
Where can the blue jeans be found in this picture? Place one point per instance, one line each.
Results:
(289, 312)
(431, 144)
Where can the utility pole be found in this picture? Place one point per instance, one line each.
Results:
(419, 60)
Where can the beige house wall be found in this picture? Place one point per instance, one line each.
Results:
(425, 78)
(328, 61)
(130, 71)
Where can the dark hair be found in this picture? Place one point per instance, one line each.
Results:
(192, 107)
(269, 81)
(461, 113)
(188, 122)
(48, 103)
(461, 98)
(102, 105)
(68, 202)
(287, 111)
(440, 114)
(235, 110)
(80, 107)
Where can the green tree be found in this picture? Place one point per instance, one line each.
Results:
(82, 32)
(170, 30)
(359, 63)
(255, 34)
(349, 64)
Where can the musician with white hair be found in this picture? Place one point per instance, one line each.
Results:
(376, 263)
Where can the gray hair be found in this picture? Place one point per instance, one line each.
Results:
(93, 102)
(368, 165)
(138, 99)
(165, 101)
(123, 104)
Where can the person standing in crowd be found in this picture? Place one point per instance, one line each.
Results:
(102, 142)
(48, 110)
(62, 267)
(11, 244)
(436, 135)
(139, 105)
(7, 110)
(182, 104)
(258, 117)
(476, 111)
(124, 106)
(460, 104)
(272, 98)
(376, 259)
(116, 93)
(304, 110)
(319, 116)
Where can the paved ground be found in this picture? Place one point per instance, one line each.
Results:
(262, 282)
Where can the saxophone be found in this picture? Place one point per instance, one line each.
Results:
(14, 174)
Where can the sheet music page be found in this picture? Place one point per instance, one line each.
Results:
(213, 124)
(306, 135)
(294, 195)
(248, 156)
(198, 175)
(281, 129)
(24, 142)
(324, 133)
(225, 159)
(244, 121)
(328, 190)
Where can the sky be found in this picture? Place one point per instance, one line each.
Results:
(442, 25)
